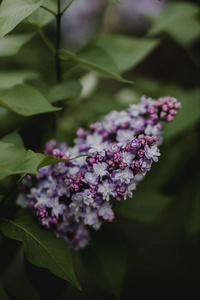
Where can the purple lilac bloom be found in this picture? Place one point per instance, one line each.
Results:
(72, 196)
(152, 152)
(107, 189)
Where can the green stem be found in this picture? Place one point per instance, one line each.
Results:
(68, 5)
(49, 10)
(58, 39)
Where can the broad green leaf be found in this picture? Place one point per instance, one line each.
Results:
(42, 17)
(42, 247)
(34, 161)
(180, 20)
(11, 44)
(25, 100)
(3, 294)
(126, 52)
(64, 90)
(10, 78)
(15, 159)
(94, 58)
(13, 12)
(146, 205)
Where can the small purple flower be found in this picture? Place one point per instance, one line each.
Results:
(130, 187)
(124, 136)
(135, 144)
(59, 168)
(127, 157)
(90, 216)
(42, 199)
(123, 176)
(152, 152)
(134, 110)
(100, 169)
(94, 139)
(152, 130)
(107, 189)
(86, 197)
(98, 148)
(122, 117)
(57, 208)
(91, 179)
(146, 165)
(106, 212)
(138, 124)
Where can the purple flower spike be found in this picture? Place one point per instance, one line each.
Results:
(71, 196)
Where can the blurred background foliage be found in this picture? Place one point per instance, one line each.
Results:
(152, 247)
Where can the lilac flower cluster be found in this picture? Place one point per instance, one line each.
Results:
(68, 197)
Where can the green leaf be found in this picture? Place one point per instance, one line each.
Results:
(25, 100)
(94, 58)
(42, 17)
(146, 205)
(179, 20)
(11, 44)
(10, 78)
(34, 161)
(126, 52)
(3, 294)
(42, 247)
(65, 90)
(15, 159)
(13, 12)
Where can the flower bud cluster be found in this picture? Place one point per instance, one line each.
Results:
(68, 197)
